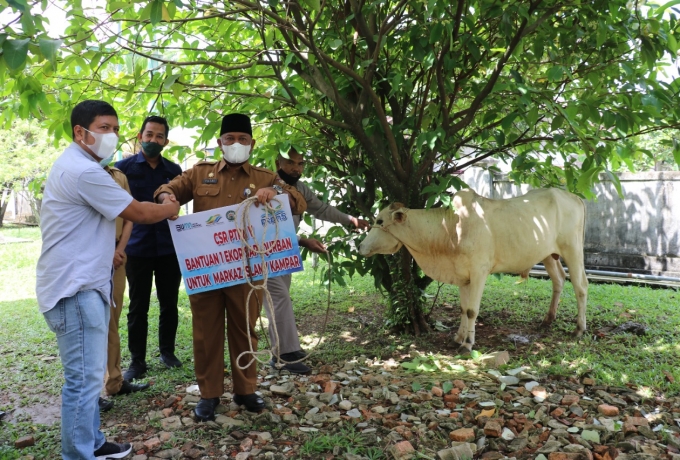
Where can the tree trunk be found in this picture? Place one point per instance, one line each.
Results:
(406, 300)
(4, 201)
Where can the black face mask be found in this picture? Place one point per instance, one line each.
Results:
(287, 178)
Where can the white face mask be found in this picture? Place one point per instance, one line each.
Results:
(236, 153)
(104, 144)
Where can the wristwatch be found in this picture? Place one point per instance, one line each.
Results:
(278, 188)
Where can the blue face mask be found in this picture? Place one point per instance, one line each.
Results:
(106, 161)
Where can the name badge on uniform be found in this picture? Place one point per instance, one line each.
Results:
(209, 181)
(247, 192)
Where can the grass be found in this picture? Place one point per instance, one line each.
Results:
(31, 375)
(645, 361)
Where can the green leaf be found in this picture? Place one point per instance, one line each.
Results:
(436, 33)
(557, 122)
(447, 387)
(622, 124)
(506, 123)
(27, 24)
(617, 184)
(169, 81)
(416, 386)
(177, 90)
(659, 11)
(335, 44)
(676, 151)
(315, 5)
(156, 12)
(555, 73)
(49, 48)
(15, 53)
(112, 6)
(20, 5)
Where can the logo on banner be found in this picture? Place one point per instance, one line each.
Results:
(213, 220)
(187, 226)
(272, 215)
(231, 216)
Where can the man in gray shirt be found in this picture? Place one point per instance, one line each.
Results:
(290, 170)
(75, 270)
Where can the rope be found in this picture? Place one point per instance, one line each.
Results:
(242, 226)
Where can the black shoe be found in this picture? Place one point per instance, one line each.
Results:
(253, 402)
(205, 409)
(136, 370)
(105, 405)
(170, 360)
(128, 388)
(293, 368)
(112, 450)
(300, 354)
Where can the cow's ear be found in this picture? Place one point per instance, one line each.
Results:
(399, 216)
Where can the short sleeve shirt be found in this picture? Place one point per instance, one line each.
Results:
(80, 204)
(148, 240)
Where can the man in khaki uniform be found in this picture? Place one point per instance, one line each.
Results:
(212, 185)
(114, 383)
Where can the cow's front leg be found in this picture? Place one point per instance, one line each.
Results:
(462, 333)
(470, 311)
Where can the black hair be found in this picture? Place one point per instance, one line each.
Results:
(156, 119)
(85, 112)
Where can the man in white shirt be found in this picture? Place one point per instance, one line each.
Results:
(74, 274)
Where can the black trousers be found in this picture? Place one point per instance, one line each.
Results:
(140, 274)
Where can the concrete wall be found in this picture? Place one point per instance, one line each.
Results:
(639, 233)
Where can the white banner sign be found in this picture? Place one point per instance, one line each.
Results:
(210, 251)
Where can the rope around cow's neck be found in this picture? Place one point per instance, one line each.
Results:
(242, 225)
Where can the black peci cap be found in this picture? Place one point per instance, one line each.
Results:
(236, 123)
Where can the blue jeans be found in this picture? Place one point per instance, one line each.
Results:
(81, 323)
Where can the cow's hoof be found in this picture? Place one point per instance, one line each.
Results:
(464, 351)
(577, 334)
(545, 325)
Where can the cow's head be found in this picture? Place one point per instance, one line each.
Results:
(379, 240)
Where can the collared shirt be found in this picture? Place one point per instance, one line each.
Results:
(79, 207)
(148, 240)
(213, 184)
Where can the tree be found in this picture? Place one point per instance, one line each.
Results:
(651, 150)
(26, 154)
(393, 97)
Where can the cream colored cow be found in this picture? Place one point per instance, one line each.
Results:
(486, 236)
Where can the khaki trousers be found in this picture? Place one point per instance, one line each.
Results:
(114, 376)
(279, 289)
(208, 310)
